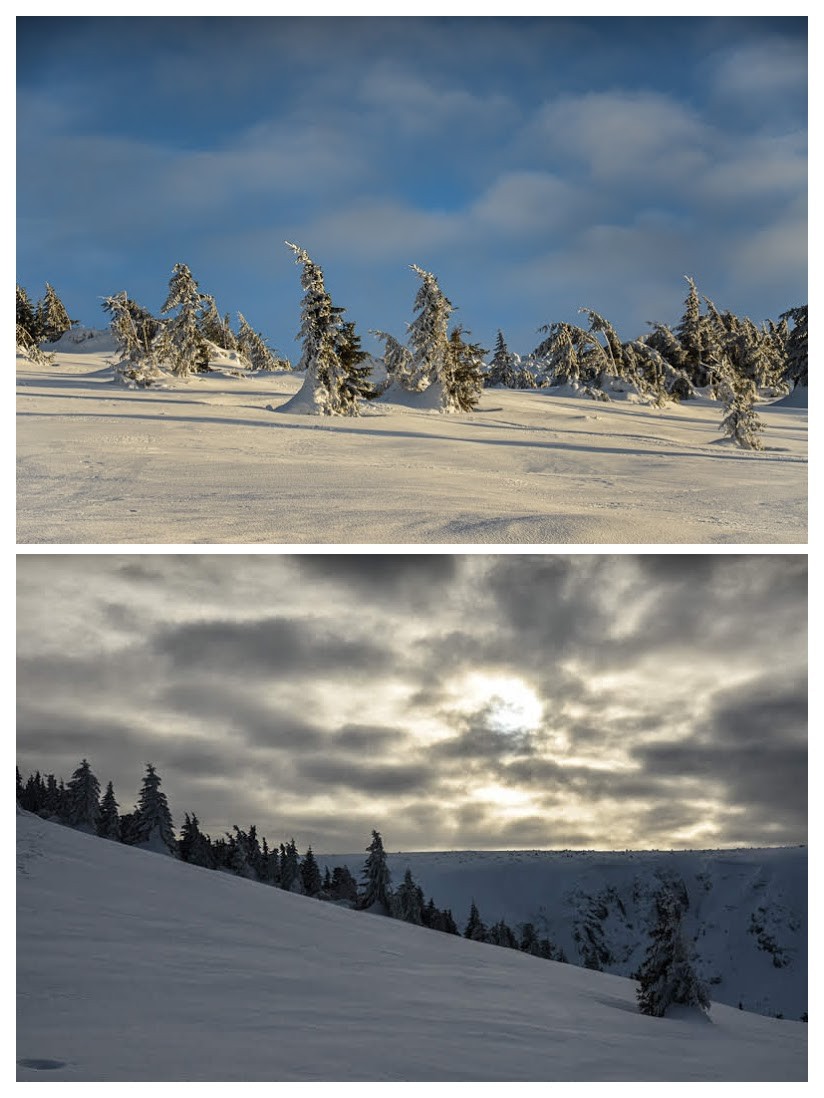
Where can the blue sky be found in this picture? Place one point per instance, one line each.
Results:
(534, 164)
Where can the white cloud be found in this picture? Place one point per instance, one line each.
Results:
(623, 136)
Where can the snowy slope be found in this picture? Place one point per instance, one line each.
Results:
(133, 966)
(747, 908)
(214, 459)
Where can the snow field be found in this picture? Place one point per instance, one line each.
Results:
(133, 966)
(213, 460)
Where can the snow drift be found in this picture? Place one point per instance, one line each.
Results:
(132, 966)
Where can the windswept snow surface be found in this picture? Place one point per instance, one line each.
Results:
(133, 966)
(215, 460)
(747, 913)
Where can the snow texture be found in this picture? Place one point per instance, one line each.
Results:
(204, 459)
(136, 967)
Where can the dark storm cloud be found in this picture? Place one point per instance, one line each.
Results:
(373, 778)
(754, 747)
(278, 646)
(383, 577)
(258, 724)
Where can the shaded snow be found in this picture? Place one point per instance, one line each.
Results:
(731, 894)
(136, 967)
(206, 460)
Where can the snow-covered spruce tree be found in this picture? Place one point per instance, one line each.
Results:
(135, 330)
(214, 327)
(310, 877)
(666, 976)
(152, 825)
(329, 389)
(26, 314)
(796, 347)
(740, 422)
(428, 339)
(27, 331)
(52, 318)
(407, 902)
(82, 807)
(256, 350)
(397, 361)
(181, 342)
(108, 825)
(690, 333)
(573, 356)
(463, 378)
(376, 892)
(503, 366)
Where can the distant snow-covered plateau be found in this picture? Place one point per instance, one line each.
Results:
(214, 459)
(133, 966)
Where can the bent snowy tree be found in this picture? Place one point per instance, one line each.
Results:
(335, 379)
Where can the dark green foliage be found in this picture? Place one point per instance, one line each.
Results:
(356, 383)
(344, 887)
(502, 366)
(463, 377)
(408, 902)
(52, 318)
(376, 890)
(310, 874)
(475, 928)
(26, 316)
(289, 866)
(82, 807)
(108, 825)
(796, 347)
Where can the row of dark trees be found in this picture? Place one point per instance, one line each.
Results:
(665, 977)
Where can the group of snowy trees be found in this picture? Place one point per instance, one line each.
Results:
(43, 321)
(182, 341)
(78, 804)
(435, 359)
(727, 357)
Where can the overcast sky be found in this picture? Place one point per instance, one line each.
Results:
(534, 164)
(449, 701)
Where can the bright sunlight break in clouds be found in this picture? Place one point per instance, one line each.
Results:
(536, 165)
(449, 701)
